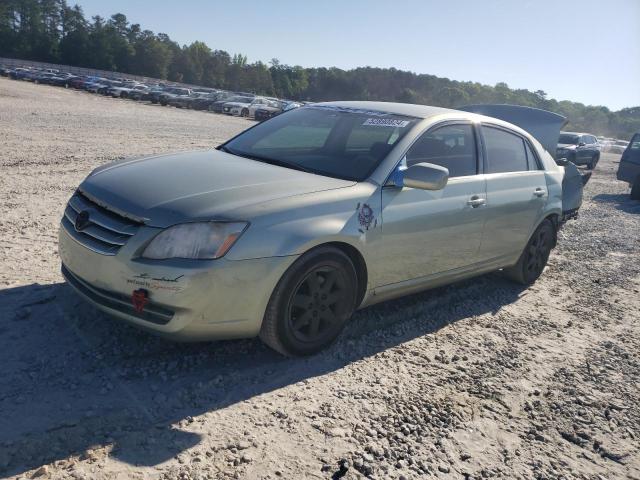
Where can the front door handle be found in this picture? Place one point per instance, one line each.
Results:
(476, 201)
(539, 192)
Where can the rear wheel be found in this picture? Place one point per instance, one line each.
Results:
(311, 303)
(535, 255)
(635, 189)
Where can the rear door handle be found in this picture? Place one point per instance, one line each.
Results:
(539, 192)
(476, 201)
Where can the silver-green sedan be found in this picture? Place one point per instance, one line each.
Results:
(286, 229)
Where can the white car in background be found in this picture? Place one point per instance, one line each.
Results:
(124, 89)
(246, 106)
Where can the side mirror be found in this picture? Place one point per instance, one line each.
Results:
(425, 176)
(581, 144)
(562, 161)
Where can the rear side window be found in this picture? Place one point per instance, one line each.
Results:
(635, 142)
(505, 151)
(451, 146)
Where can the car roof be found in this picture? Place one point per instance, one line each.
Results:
(408, 109)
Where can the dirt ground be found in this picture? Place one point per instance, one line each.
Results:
(482, 379)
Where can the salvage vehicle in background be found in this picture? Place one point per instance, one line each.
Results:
(244, 106)
(317, 212)
(218, 105)
(204, 101)
(629, 168)
(618, 146)
(267, 112)
(579, 148)
(172, 92)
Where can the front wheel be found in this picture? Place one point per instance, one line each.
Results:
(535, 255)
(311, 303)
(244, 112)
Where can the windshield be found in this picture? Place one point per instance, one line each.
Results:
(337, 142)
(568, 139)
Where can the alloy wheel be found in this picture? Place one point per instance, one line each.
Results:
(318, 305)
(538, 252)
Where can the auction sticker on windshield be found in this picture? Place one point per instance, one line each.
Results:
(386, 122)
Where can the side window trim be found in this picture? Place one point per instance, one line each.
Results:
(536, 157)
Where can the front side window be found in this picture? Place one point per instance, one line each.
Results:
(333, 141)
(451, 146)
(505, 151)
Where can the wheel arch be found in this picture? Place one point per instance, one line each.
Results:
(356, 258)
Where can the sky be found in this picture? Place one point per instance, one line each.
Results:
(586, 51)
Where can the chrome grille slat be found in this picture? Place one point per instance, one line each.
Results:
(96, 231)
(104, 217)
(106, 231)
(91, 243)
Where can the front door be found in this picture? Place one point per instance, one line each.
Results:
(430, 232)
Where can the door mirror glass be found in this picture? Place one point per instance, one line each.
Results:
(425, 176)
(581, 144)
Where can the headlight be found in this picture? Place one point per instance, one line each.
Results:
(204, 240)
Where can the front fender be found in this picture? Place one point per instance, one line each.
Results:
(292, 226)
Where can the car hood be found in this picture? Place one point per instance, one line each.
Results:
(203, 185)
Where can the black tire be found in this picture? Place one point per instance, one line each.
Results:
(535, 255)
(635, 189)
(306, 313)
(244, 112)
(593, 162)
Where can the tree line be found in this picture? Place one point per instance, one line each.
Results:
(52, 31)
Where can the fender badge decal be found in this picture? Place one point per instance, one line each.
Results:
(365, 216)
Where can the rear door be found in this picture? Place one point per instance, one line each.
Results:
(516, 192)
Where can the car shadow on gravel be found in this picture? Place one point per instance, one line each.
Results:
(619, 201)
(76, 382)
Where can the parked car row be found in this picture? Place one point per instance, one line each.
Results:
(613, 145)
(219, 101)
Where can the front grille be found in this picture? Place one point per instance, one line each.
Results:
(104, 233)
(151, 312)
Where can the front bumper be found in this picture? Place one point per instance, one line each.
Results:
(189, 300)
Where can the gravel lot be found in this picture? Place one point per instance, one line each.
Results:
(482, 379)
